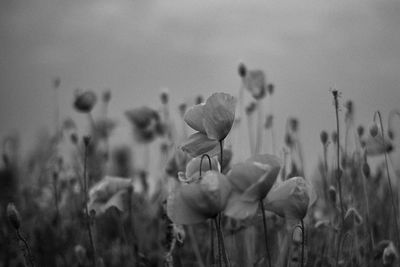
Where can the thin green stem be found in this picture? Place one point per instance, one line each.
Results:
(265, 232)
(87, 217)
(28, 249)
(377, 113)
(302, 242)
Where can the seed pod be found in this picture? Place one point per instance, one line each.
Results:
(13, 216)
(324, 137)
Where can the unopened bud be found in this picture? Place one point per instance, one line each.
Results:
(86, 140)
(288, 140)
(199, 99)
(271, 88)
(13, 216)
(334, 137)
(242, 70)
(164, 96)
(366, 170)
(297, 235)
(294, 124)
(85, 101)
(332, 194)
(390, 134)
(182, 109)
(373, 130)
(269, 121)
(324, 137)
(360, 130)
(251, 108)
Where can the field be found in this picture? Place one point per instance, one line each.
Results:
(78, 201)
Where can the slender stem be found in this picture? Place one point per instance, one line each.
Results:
(195, 247)
(338, 174)
(265, 232)
(28, 249)
(259, 128)
(219, 242)
(88, 223)
(302, 242)
(367, 216)
(201, 162)
(377, 113)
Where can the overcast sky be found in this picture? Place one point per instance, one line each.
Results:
(191, 47)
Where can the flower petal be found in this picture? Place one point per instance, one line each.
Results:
(193, 167)
(199, 144)
(218, 115)
(375, 146)
(194, 117)
(240, 209)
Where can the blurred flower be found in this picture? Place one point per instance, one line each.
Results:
(373, 130)
(291, 198)
(375, 146)
(269, 121)
(109, 192)
(193, 169)
(198, 201)
(146, 122)
(360, 130)
(164, 96)
(13, 216)
(251, 181)
(324, 137)
(213, 120)
(84, 101)
(389, 255)
(104, 127)
(56, 82)
(271, 89)
(254, 82)
(242, 70)
(106, 96)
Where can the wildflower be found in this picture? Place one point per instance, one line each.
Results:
(146, 122)
(376, 145)
(13, 216)
(109, 192)
(84, 101)
(254, 82)
(213, 120)
(193, 169)
(291, 198)
(198, 201)
(389, 255)
(251, 181)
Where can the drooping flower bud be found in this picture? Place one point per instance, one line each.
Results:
(85, 101)
(13, 216)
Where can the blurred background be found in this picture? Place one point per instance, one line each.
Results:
(136, 48)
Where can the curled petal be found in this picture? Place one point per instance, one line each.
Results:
(219, 114)
(240, 208)
(375, 146)
(199, 201)
(199, 144)
(193, 167)
(194, 118)
(290, 199)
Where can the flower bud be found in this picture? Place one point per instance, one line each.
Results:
(332, 194)
(85, 101)
(324, 137)
(86, 140)
(242, 70)
(334, 137)
(373, 130)
(366, 170)
(164, 96)
(294, 124)
(297, 236)
(182, 109)
(251, 108)
(13, 216)
(360, 130)
(271, 88)
(80, 253)
(199, 99)
(56, 82)
(74, 138)
(390, 134)
(106, 96)
(289, 140)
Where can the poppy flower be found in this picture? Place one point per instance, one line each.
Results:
(376, 145)
(84, 101)
(198, 201)
(251, 181)
(193, 169)
(291, 199)
(254, 82)
(212, 120)
(146, 123)
(109, 192)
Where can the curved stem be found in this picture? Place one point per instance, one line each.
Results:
(201, 162)
(377, 113)
(265, 232)
(88, 224)
(302, 242)
(28, 249)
